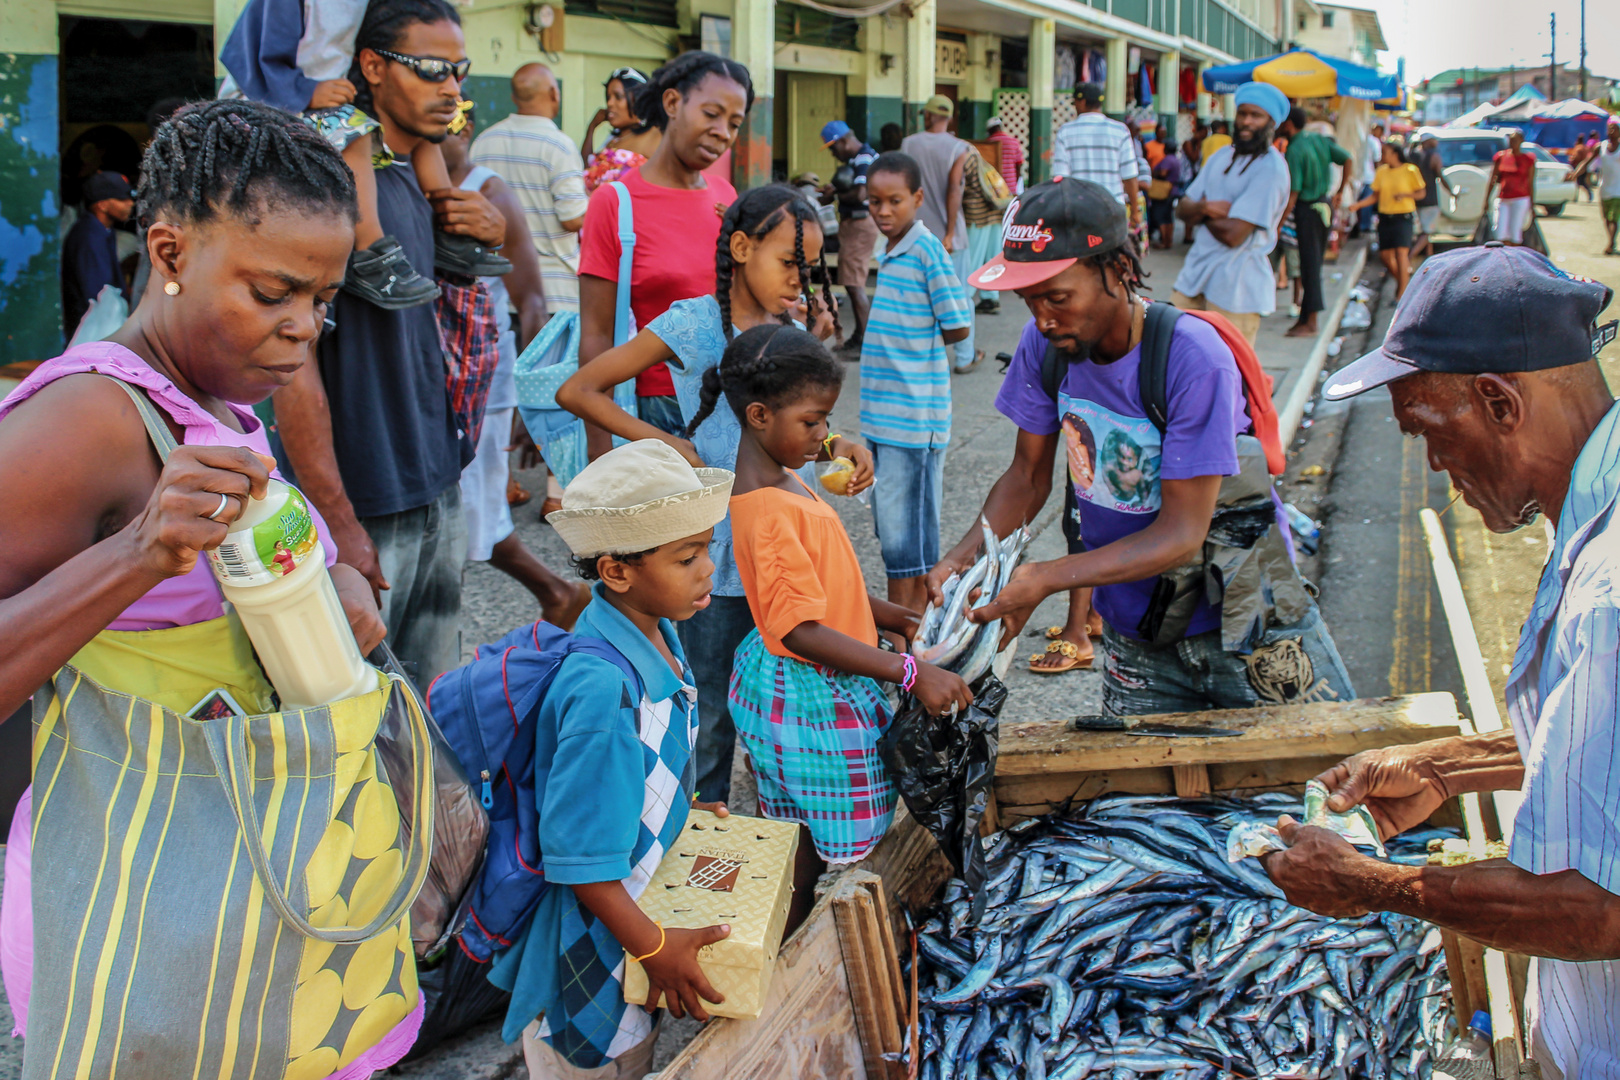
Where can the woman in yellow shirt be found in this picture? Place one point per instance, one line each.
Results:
(1395, 188)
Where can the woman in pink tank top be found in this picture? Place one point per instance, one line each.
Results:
(248, 217)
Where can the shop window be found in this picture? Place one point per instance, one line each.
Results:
(654, 12)
(803, 26)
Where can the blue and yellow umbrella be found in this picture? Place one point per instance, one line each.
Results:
(1304, 74)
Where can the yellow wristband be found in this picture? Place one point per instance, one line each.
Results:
(826, 444)
(662, 937)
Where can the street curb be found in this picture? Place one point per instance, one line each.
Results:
(1289, 416)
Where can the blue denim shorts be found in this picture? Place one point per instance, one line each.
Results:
(908, 487)
(1295, 663)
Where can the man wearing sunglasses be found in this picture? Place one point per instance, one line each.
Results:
(369, 430)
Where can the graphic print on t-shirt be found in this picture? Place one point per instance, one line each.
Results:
(1113, 459)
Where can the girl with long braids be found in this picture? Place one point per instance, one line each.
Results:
(767, 243)
(804, 685)
(699, 101)
(247, 215)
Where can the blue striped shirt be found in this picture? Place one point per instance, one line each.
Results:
(905, 378)
(1563, 698)
(543, 168)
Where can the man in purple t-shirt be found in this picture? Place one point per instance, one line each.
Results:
(1145, 498)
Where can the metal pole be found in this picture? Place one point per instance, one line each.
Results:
(1583, 50)
(1552, 61)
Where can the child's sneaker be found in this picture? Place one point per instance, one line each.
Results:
(464, 255)
(382, 275)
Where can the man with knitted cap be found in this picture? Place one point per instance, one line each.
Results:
(1234, 206)
(614, 771)
(1490, 361)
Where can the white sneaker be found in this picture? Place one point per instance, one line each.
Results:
(1293, 311)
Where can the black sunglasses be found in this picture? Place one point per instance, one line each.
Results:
(429, 68)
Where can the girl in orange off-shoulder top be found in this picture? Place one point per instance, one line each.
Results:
(804, 684)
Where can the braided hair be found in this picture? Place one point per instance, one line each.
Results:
(683, 73)
(383, 27)
(234, 156)
(1124, 262)
(755, 213)
(768, 364)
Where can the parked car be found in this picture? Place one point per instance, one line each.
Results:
(1465, 156)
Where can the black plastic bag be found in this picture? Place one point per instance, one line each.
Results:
(456, 995)
(944, 767)
(460, 825)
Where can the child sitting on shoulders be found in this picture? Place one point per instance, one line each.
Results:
(310, 58)
(918, 308)
(613, 769)
(804, 686)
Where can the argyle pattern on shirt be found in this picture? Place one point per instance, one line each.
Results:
(592, 1024)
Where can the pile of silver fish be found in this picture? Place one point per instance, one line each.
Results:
(1121, 942)
(946, 637)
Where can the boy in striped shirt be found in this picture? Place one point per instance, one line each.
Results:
(918, 308)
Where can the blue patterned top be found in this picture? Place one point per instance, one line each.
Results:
(691, 329)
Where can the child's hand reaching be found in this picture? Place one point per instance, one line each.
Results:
(330, 93)
(862, 477)
(940, 691)
(673, 973)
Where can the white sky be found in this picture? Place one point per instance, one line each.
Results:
(1435, 35)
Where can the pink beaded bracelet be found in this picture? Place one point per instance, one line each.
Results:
(910, 678)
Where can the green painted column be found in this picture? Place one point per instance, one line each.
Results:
(1042, 73)
(753, 44)
(1167, 100)
(1118, 55)
(1203, 95)
(30, 162)
(920, 51)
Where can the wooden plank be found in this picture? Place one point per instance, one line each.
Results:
(1463, 990)
(911, 866)
(1505, 1034)
(807, 1027)
(869, 972)
(1314, 730)
(1192, 781)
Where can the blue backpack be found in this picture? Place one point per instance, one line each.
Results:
(487, 710)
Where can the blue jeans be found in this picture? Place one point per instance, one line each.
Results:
(908, 487)
(962, 351)
(1296, 663)
(710, 639)
(1364, 216)
(664, 413)
(422, 553)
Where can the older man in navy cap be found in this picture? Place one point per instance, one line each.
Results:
(857, 235)
(1235, 206)
(1490, 361)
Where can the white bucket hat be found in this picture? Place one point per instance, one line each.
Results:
(637, 497)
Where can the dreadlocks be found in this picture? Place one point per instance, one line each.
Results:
(1124, 262)
(384, 27)
(754, 214)
(236, 156)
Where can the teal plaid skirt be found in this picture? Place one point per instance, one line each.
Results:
(812, 735)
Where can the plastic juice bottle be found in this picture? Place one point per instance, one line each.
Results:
(272, 568)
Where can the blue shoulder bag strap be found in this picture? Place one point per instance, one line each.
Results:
(627, 253)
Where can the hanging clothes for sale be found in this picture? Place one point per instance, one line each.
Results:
(1099, 68)
(1065, 68)
(1144, 92)
(1188, 90)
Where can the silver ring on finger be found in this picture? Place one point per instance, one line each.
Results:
(224, 501)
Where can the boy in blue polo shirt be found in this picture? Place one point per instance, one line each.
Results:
(918, 308)
(614, 769)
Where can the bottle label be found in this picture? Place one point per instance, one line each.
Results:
(272, 549)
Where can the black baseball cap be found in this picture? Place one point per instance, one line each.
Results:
(106, 185)
(1048, 228)
(1091, 93)
(1491, 309)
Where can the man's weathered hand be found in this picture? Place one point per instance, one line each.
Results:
(1397, 783)
(1320, 871)
(468, 213)
(1016, 602)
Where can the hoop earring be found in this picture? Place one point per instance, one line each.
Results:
(172, 288)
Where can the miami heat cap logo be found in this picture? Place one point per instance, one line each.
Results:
(1037, 236)
(714, 873)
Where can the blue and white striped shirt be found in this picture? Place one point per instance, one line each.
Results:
(543, 168)
(905, 378)
(1563, 698)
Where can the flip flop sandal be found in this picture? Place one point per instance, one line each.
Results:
(1094, 626)
(1053, 633)
(1071, 654)
(516, 494)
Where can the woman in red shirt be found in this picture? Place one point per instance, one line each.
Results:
(1515, 170)
(700, 101)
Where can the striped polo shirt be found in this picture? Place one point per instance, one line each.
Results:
(905, 378)
(1563, 698)
(543, 168)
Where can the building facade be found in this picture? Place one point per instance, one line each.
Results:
(77, 78)
(1346, 33)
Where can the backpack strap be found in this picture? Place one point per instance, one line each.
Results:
(1052, 365)
(1153, 378)
(627, 253)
